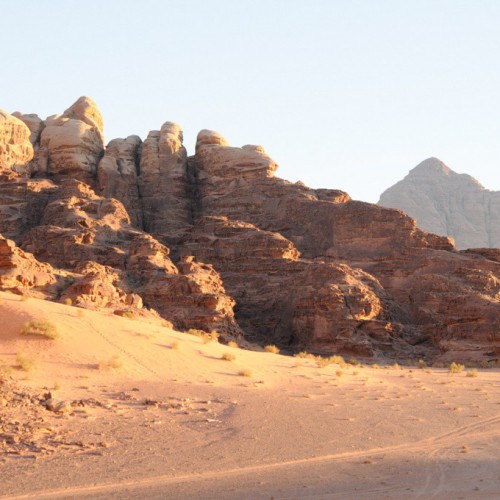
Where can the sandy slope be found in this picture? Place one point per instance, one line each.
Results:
(182, 423)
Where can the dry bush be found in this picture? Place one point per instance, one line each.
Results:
(353, 362)
(421, 363)
(305, 355)
(233, 344)
(40, 328)
(227, 356)
(339, 373)
(455, 367)
(174, 345)
(204, 336)
(471, 373)
(167, 324)
(245, 372)
(68, 302)
(128, 314)
(24, 362)
(114, 362)
(272, 349)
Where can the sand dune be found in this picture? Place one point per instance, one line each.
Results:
(154, 413)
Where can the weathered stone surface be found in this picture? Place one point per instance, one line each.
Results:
(294, 302)
(20, 270)
(34, 123)
(98, 286)
(117, 175)
(16, 149)
(163, 181)
(22, 201)
(449, 204)
(190, 294)
(71, 144)
(383, 242)
(304, 268)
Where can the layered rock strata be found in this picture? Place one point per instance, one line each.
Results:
(216, 241)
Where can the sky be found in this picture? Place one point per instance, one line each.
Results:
(343, 94)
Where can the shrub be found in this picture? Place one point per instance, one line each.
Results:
(245, 372)
(353, 361)
(455, 367)
(272, 349)
(40, 328)
(322, 362)
(113, 362)
(339, 373)
(421, 363)
(304, 354)
(227, 356)
(68, 302)
(204, 336)
(471, 373)
(24, 362)
(128, 314)
(232, 343)
(174, 345)
(338, 360)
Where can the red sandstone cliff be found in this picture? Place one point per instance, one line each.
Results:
(216, 241)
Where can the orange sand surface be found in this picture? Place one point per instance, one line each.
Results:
(148, 412)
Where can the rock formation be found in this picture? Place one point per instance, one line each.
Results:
(449, 204)
(216, 241)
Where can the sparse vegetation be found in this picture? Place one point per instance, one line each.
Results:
(128, 314)
(24, 362)
(174, 345)
(272, 349)
(204, 336)
(353, 361)
(233, 344)
(339, 373)
(68, 302)
(455, 367)
(227, 356)
(245, 372)
(471, 373)
(421, 363)
(40, 328)
(321, 361)
(114, 362)
(305, 355)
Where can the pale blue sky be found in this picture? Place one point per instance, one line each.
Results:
(346, 94)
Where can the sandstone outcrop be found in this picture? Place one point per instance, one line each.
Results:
(294, 302)
(216, 241)
(71, 144)
(16, 149)
(19, 270)
(449, 204)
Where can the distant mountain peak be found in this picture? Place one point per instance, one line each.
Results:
(447, 203)
(432, 165)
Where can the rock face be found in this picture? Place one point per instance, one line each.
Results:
(71, 144)
(16, 149)
(20, 270)
(216, 241)
(449, 204)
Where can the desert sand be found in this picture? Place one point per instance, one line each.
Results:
(148, 412)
